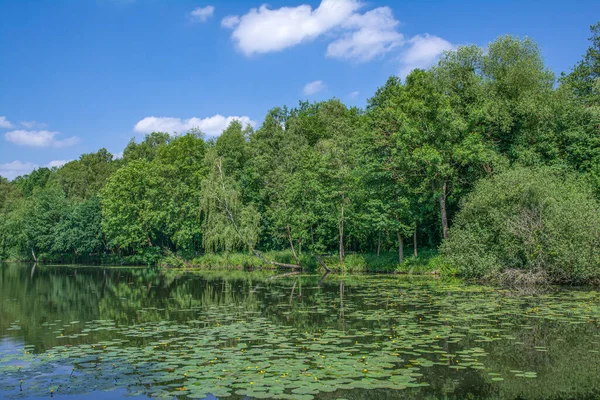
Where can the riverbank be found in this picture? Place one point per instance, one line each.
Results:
(428, 262)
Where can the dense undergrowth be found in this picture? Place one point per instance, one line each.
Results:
(427, 262)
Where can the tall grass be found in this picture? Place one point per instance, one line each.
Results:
(428, 262)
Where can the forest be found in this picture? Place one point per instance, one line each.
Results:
(486, 164)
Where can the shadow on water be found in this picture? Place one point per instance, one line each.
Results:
(140, 331)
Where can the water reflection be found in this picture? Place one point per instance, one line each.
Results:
(463, 341)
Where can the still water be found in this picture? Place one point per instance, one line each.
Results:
(103, 333)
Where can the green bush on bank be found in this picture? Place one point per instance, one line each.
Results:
(428, 262)
(535, 221)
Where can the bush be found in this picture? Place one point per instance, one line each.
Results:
(543, 220)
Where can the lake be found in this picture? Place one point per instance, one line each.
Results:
(103, 333)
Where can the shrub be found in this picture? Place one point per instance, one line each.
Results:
(533, 220)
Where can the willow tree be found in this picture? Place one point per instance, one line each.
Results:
(228, 223)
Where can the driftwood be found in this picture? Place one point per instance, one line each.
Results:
(322, 263)
(275, 263)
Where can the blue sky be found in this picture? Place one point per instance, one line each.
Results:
(78, 75)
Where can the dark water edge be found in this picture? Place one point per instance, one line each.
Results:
(74, 330)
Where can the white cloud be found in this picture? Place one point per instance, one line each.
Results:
(17, 168)
(422, 52)
(212, 126)
(201, 14)
(313, 87)
(39, 139)
(352, 35)
(373, 34)
(230, 21)
(57, 163)
(33, 124)
(354, 95)
(4, 123)
(265, 30)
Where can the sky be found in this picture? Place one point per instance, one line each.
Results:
(79, 75)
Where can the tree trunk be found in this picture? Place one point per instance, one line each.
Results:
(400, 249)
(341, 228)
(379, 244)
(322, 263)
(443, 210)
(289, 234)
(416, 253)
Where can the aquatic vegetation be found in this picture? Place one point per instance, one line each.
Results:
(301, 337)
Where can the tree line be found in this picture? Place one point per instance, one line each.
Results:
(321, 177)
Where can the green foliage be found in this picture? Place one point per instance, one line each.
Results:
(584, 80)
(147, 149)
(532, 220)
(79, 231)
(83, 178)
(324, 178)
(228, 223)
(132, 205)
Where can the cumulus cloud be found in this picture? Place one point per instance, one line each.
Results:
(313, 87)
(17, 168)
(353, 34)
(372, 34)
(212, 126)
(354, 94)
(264, 30)
(39, 139)
(422, 52)
(230, 21)
(4, 123)
(57, 163)
(33, 124)
(201, 14)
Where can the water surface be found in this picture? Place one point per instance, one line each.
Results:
(101, 333)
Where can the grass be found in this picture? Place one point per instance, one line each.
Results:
(427, 263)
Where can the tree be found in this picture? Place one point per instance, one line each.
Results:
(82, 179)
(147, 149)
(228, 224)
(584, 79)
(43, 213)
(440, 153)
(80, 230)
(133, 213)
(182, 166)
(533, 220)
(390, 200)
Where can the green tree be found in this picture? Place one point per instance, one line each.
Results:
(146, 149)
(133, 213)
(79, 232)
(584, 79)
(542, 221)
(228, 224)
(83, 178)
